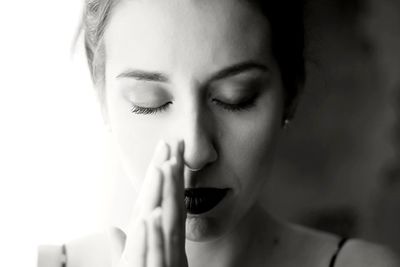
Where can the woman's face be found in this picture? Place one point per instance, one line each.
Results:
(201, 71)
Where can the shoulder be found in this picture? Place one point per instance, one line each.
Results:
(365, 254)
(309, 247)
(311, 239)
(92, 250)
(318, 248)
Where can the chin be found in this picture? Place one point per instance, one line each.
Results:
(213, 224)
(202, 228)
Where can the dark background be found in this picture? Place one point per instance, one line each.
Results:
(338, 164)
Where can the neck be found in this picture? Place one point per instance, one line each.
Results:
(247, 244)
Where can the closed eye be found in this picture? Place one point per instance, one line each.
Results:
(233, 107)
(149, 110)
(236, 107)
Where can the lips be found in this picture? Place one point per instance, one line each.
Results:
(200, 200)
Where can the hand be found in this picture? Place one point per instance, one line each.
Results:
(156, 232)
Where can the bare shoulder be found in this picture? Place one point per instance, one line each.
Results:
(89, 251)
(309, 247)
(323, 246)
(358, 253)
(312, 239)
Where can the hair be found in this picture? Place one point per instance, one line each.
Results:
(286, 18)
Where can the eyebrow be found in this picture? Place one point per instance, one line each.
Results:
(232, 70)
(237, 69)
(142, 75)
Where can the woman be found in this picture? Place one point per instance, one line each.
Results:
(216, 82)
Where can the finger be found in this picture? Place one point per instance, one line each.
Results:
(172, 204)
(177, 151)
(174, 147)
(180, 168)
(149, 198)
(155, 243)
(179, 178)
(161, 153)
(117, 241)
(135, 250)
(150, 193)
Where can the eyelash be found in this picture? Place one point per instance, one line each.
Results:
(246, 105)
(149, 111)
(243, 106)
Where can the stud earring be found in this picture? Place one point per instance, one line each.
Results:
(286, 123)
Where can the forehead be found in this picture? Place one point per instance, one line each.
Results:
(185, 35)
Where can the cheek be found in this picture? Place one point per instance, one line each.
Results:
(136, 138)
(254, 140)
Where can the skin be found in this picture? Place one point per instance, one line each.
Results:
(194, 47)
(199, 62)
(176, 48)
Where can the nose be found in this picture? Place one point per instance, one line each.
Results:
(198, 135)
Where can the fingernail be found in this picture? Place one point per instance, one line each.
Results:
(160, 146)
(173, 160)
(161, 153)
(157, 212)
(181, 146)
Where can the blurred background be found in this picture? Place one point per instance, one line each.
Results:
(338, 168)
(338, 164)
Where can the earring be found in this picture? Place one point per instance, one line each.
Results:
(286, 123)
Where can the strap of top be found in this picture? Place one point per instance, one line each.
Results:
(63, 256)
(52, 256)
(335, 255)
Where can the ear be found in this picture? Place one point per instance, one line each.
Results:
(290, 109)
(291, 106)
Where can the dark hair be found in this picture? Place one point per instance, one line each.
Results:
(286, 18)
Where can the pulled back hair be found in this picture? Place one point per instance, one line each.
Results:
(286, 18)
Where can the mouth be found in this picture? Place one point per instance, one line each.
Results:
(201, 200)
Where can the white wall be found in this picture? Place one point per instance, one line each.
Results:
(52, 182)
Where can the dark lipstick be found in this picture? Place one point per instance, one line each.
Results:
(200, 200)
